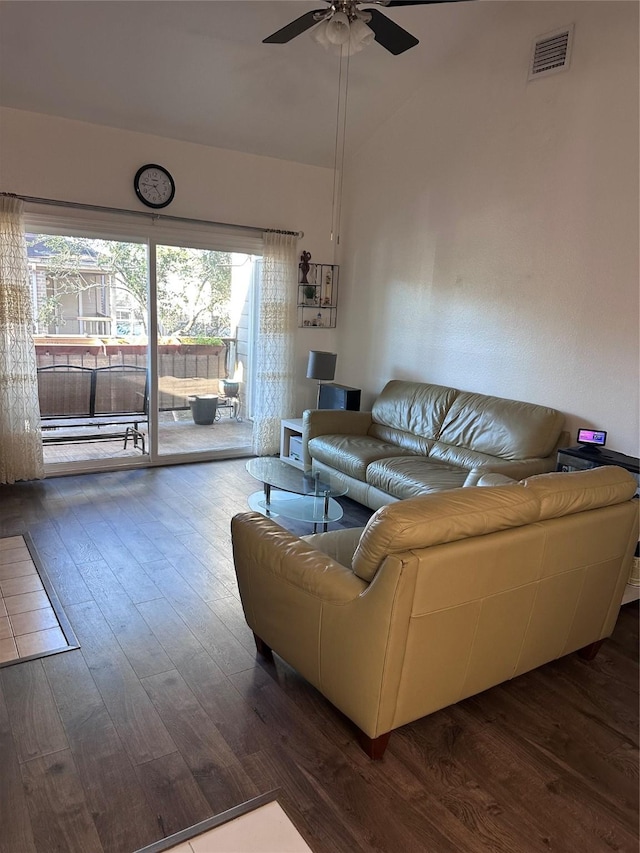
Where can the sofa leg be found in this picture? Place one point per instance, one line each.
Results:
(590, 651)
(262, 647)
(374, 746)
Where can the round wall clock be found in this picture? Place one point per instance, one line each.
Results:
(154, 186)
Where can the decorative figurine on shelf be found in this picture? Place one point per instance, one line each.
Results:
(305, 257)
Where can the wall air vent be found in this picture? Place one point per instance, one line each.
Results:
(551, 53)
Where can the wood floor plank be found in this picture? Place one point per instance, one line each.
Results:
(135, 540)
(129, 510)
(60, 567)
(175, 636)
(136, 720)
(427, 785)
(16, 835)
(134, 580)
(229, 611)
(430, 750)
(175, 798)
(612, 713)
(160, 510)
(327, 827)
(620, 668)
(569, 738)
(60, 817)
(121, 813)
(216, 558)
(310, 749)
(189, 565)
(80, 547)
(208, 756)
(239, 725)
(35, 722)
(217, 640)
(516, 772)
(235, 718)
(142, 649)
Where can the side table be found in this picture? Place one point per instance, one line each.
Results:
(582, 458)
(291, 442)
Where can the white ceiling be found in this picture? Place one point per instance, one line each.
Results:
(198, 71)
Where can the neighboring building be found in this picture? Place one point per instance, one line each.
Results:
(83, 302)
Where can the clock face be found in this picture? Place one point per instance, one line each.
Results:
(154, 185)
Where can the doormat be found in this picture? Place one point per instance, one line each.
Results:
(260, 825)
(33, 623)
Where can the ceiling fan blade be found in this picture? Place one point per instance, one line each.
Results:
(295, 28)
(387, 33)
(416, 2)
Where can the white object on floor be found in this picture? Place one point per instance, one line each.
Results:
(266, 829)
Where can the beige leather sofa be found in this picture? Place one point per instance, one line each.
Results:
(420, 438)
(442, 596)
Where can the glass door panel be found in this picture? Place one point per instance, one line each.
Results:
(90, 308)
(203, 302)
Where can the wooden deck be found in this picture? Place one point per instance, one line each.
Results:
(177, 434)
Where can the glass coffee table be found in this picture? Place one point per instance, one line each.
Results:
(292, 493)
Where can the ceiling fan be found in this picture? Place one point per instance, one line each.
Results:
(344, 24)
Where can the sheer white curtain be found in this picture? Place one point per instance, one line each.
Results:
(274, 378)
(20, 436)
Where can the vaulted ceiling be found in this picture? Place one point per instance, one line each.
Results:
(198, 71)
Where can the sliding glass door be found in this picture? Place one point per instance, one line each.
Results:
(90, 307)
(204, 299)
(144, 348)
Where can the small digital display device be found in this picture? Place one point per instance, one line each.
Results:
(592, 437)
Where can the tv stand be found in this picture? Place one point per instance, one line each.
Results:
(583, 457)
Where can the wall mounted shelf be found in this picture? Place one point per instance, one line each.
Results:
(318, 296)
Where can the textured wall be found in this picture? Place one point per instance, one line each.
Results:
(491, 225)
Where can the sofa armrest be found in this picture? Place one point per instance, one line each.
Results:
(332, 422)
(340, 545)
(261, 544)
(495, 480)
(514, 469)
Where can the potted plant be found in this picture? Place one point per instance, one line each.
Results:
(309, 291)
(200, 345)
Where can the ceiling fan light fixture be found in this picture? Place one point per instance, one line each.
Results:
(354, 35)
(338, 29)
(361, 36)
(319, 35)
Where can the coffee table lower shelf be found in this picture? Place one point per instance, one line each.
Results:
(309, 508)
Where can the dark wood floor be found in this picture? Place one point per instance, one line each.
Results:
(165, 716)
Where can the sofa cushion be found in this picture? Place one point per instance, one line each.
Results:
(508, 429)
(411, 476)
(412, 407)
(461, 457)
(351, 454)
(561, 495)
(442, 517)
(399, 438)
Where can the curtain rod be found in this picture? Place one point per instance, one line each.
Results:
(153, 216)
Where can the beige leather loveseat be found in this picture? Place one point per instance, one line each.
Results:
(422, 438)
(442, 596)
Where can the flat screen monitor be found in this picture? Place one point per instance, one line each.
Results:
(592, 437)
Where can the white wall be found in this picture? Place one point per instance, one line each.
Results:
(51, 157)
(490, 236)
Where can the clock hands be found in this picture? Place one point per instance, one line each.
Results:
(154, 186)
